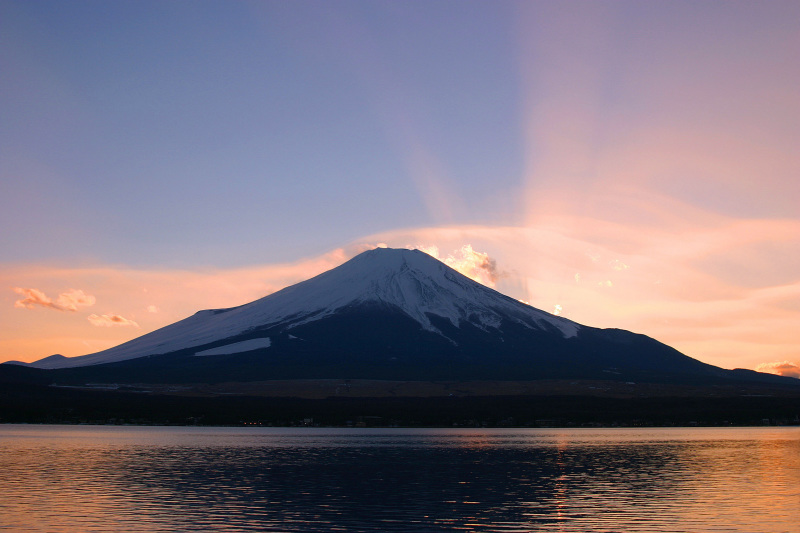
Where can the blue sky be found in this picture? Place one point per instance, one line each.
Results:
(629, 164)
(207, 132)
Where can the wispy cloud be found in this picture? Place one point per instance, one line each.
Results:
(110, 321)
(66, 301)
(73, 299)
(616, 264)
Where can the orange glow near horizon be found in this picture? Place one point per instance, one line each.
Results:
(554, 268)
(652, 182)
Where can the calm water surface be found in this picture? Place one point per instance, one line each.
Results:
(102, 478)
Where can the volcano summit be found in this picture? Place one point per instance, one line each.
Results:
(387, 314)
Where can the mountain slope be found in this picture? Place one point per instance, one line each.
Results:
(391, 315)
(407, 280)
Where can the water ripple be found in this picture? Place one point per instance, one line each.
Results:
(231, 479)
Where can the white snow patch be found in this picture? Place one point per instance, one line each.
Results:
(237, 347)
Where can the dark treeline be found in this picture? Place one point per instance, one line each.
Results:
(32, 403)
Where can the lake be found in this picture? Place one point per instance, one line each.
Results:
(143, 479)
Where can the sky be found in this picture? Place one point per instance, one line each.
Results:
(622, 164)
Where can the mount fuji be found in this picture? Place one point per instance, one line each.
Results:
(387, 314)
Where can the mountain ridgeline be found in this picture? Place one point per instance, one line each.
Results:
(387, 314)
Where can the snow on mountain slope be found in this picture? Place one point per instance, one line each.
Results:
(409, 280)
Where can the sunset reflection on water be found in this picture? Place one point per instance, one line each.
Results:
(61, 478)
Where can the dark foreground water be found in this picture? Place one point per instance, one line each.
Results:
(84, 478)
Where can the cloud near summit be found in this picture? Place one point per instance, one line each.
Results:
(477, 266)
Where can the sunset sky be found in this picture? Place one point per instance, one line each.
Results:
(623, 164)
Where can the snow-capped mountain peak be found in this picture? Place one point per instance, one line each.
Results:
(410, 281)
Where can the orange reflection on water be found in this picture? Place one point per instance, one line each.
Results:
(222, 479)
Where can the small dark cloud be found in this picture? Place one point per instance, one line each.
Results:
(781, 368)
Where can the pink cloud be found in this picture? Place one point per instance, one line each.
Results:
(781, 368)
(73, 299)
(110, 321)
(475, 265)
(66, 301)
(33, 297)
